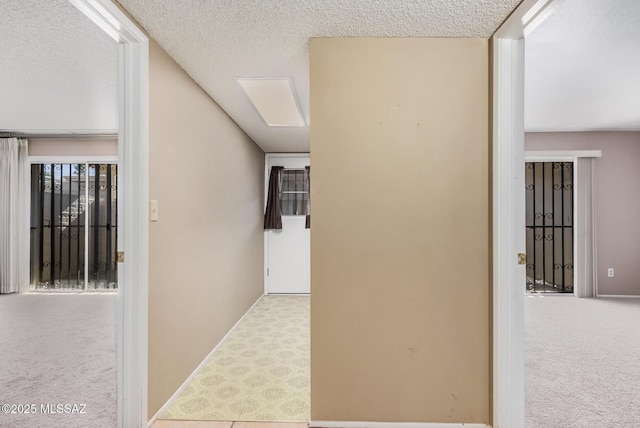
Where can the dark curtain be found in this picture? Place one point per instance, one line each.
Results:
(273, 213)
(307, 224)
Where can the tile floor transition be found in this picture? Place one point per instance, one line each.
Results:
(218, 424)
(259, 373)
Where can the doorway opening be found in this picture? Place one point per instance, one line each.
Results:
(260, 371)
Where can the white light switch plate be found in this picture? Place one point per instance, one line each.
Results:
(153, 210)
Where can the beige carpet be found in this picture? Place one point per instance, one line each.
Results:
(259, 373)
(582, 362)
(58, 349)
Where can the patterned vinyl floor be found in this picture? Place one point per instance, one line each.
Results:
(259, 373)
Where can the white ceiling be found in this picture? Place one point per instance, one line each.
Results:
(583, 68)
(59, 71)
(219, 40)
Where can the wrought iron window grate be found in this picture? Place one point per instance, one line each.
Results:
(549, 226)
(74, 226)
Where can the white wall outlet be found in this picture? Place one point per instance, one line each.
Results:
(153, 210)
(610, 272)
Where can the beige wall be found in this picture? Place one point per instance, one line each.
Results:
(103, 146)
(616, 179)
(206, 250)
(400, 315)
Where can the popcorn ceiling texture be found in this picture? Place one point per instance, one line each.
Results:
(217, 41)
(59, 71)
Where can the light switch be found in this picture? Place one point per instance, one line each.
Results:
(153, 210)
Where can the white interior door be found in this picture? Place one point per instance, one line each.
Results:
(288, 257)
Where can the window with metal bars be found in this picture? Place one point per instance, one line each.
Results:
(294, 196)
(549, 226)
(74, 226)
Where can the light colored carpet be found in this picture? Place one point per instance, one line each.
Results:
(582, 362)
(58, 349)
(259, 373)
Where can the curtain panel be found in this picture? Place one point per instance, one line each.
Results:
(307, 223)
(273, 213)
(13, 217)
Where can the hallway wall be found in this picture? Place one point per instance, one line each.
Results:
(206, 250)
(400, 230)
(616, 178)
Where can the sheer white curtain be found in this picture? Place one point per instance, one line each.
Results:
(585, 234)
(13, 217)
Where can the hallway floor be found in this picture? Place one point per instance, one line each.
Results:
(260, 372)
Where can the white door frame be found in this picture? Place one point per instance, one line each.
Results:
(133, 236)
(267, 158)
(509, 209)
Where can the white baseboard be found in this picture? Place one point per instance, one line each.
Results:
(352, 424)
(197, 369)
(289, 294)
(624, 296)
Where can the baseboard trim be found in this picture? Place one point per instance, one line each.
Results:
(197, 369)
(624, 296)
(361, 424)
(289, 294)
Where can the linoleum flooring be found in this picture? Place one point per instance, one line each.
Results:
(259, 373)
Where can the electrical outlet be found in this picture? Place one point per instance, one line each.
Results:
(610, 272)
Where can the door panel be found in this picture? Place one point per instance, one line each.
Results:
(289, 257)
(288, 250)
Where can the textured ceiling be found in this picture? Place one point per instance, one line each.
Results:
(219, 40)
(583, 68)
(59, 71)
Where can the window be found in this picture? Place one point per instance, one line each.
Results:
(294, 196)
(74, 226)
